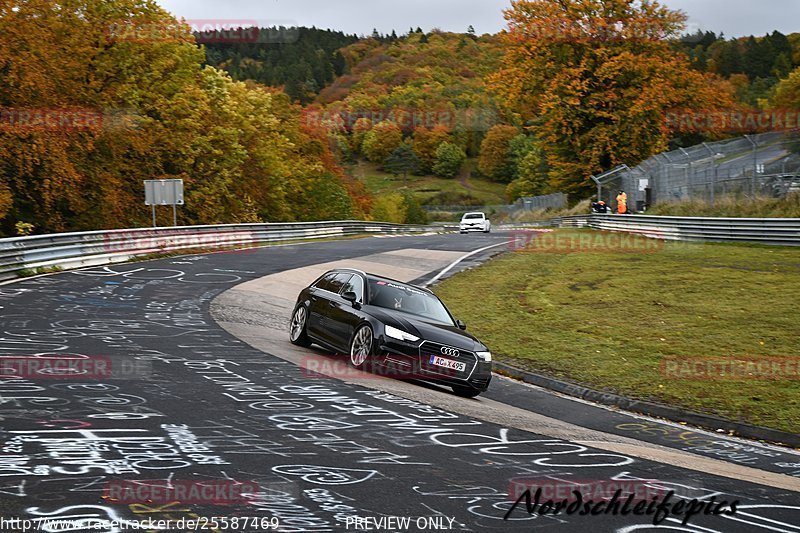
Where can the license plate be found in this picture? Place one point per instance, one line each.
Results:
(448, 363)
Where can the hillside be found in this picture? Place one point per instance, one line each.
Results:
(302, 60)
(307, 124)
(437, 71)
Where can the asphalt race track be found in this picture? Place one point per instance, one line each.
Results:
(188, 403)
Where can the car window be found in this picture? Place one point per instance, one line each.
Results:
(356, 285)
(325, 282)
(473, 217)
(339, 281)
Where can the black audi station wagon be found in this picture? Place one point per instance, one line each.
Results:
(386, 325)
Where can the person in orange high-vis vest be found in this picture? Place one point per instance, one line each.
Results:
(622, 203)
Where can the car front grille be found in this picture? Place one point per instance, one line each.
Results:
(429, 349)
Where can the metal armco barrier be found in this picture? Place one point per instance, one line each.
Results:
(581, 221)
(76, 250)
(774, 231)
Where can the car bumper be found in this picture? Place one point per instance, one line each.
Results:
(414, 361)
(465, 229)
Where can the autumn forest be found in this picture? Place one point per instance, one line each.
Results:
(269, 124)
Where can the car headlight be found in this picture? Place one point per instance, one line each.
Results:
(399, 334)
(486, 356)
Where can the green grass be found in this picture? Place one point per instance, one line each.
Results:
(30, 272)
(424, 188)
(732, 206)
(607, 320)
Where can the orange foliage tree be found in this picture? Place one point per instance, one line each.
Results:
(426, 142)
(495, 160)
(595, 78)
(383, 139)
(99, 95)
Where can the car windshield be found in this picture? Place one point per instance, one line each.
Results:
(407, 299)
(472, 217)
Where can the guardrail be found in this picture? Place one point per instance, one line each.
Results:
(580, 221)
(74, 250)
(774, 231)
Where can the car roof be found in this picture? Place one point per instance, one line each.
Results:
(376, 277)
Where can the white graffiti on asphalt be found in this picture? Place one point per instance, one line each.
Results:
(325, 475)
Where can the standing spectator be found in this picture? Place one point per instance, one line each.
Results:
(622, 203)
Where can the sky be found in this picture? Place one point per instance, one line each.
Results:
(733, 17)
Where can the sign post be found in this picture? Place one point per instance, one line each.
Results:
(164, 192)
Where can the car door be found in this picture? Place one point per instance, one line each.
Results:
(347, 315)
(318, 305)
(326, 305)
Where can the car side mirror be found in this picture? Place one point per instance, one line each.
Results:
(351, 297)
(461, 324)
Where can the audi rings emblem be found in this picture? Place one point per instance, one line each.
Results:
(452, 352)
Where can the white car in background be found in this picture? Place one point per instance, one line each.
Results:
(475, 222)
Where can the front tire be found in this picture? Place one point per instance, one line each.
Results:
(362, 348)
(298, 334)
(465, 392)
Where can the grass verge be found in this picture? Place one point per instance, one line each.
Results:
(425, 188)
(732, 206)
(607, 319)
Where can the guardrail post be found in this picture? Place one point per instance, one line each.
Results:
(714, 185)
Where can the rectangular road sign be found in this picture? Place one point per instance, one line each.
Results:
(163, 192)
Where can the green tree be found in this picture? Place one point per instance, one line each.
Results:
(531, 176)
(787, 92)
(389, 208)
(402, 161)
(324, 198)
(414, 212)
(360, 130)
(449, 160)
(425, 143)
